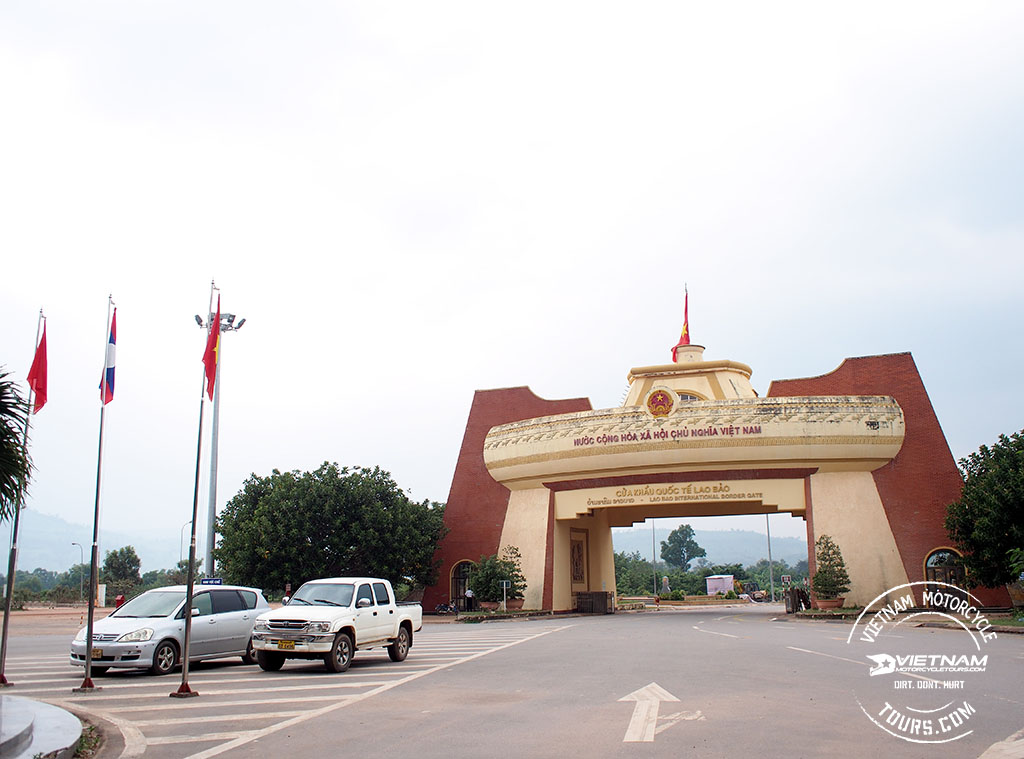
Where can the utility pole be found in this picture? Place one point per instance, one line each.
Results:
(227, 324)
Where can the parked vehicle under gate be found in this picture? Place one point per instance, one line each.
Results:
(331, 619)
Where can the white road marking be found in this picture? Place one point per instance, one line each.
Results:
(712, 632)
(256, 734)
(1011, 748)
(161, 695)
(672, 719)
(642, 724)
(214, 718)
(855, 661)
(188, 704)
(49, 679)
(134, 740)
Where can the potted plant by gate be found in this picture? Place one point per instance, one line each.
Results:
(830, 579)
(488, 574)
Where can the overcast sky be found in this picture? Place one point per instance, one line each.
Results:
(411, 201)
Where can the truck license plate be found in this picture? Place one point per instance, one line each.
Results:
(97, 653)
(288, 644)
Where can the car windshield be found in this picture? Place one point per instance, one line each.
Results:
(325, 593)
(152, 604)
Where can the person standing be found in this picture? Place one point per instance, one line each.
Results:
(469, 599)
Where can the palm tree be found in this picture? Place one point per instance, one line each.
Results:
(15, 464)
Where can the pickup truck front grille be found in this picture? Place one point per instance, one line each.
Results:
(287, 624)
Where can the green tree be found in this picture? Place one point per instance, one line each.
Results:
(161, 578)
(634, 575)
(491, 570)
(75, 579)
(830, 577)
(15, 464)
(297, 526)
(987, 523)
(681, 548)
(121, 568)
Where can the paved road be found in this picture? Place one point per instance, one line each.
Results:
(748, 681)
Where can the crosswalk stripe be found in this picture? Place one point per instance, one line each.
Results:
(214, 718)
(295, 695)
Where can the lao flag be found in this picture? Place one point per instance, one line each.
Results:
(107, 382)
(37, 373)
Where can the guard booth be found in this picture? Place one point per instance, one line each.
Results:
(594, 602)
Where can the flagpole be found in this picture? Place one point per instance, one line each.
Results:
(87, 684)
(184, 691)
(12, 562)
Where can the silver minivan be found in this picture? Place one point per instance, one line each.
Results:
(148, 632)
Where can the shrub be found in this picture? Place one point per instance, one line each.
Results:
(491, 570)
(830, 577)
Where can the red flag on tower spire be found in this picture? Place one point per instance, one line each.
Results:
(210, 356)
(684, 338)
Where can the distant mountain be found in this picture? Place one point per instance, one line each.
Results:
(723, 546)
(44, 541)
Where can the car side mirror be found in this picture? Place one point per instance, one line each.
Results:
(362, 603)
(285, 600)
(195, 612)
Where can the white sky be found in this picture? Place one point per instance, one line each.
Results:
(412, 201)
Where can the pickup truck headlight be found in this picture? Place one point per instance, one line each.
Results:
(145, 633)
(319, 626)
(261, 624)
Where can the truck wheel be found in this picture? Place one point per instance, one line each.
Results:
(399, 647)
(341, 654)
(165, 657)
(269, 661)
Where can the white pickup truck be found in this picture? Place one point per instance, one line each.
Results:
(331, 619)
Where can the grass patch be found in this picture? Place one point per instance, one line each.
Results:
(90, 741)
(1010, 621)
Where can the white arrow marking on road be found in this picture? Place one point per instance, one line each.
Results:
(673, 719)
(645, 713)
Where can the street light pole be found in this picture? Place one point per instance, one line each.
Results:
(227, 324)
(81, 562)
(771, 569)
(181, 541)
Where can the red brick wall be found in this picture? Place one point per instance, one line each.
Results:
(918, 484)
(475, 511)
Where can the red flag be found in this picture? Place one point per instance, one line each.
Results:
(684, 338)
(37, 373)
(210, 356)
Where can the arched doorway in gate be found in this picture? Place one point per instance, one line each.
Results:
(460, 582)
(946, 565)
